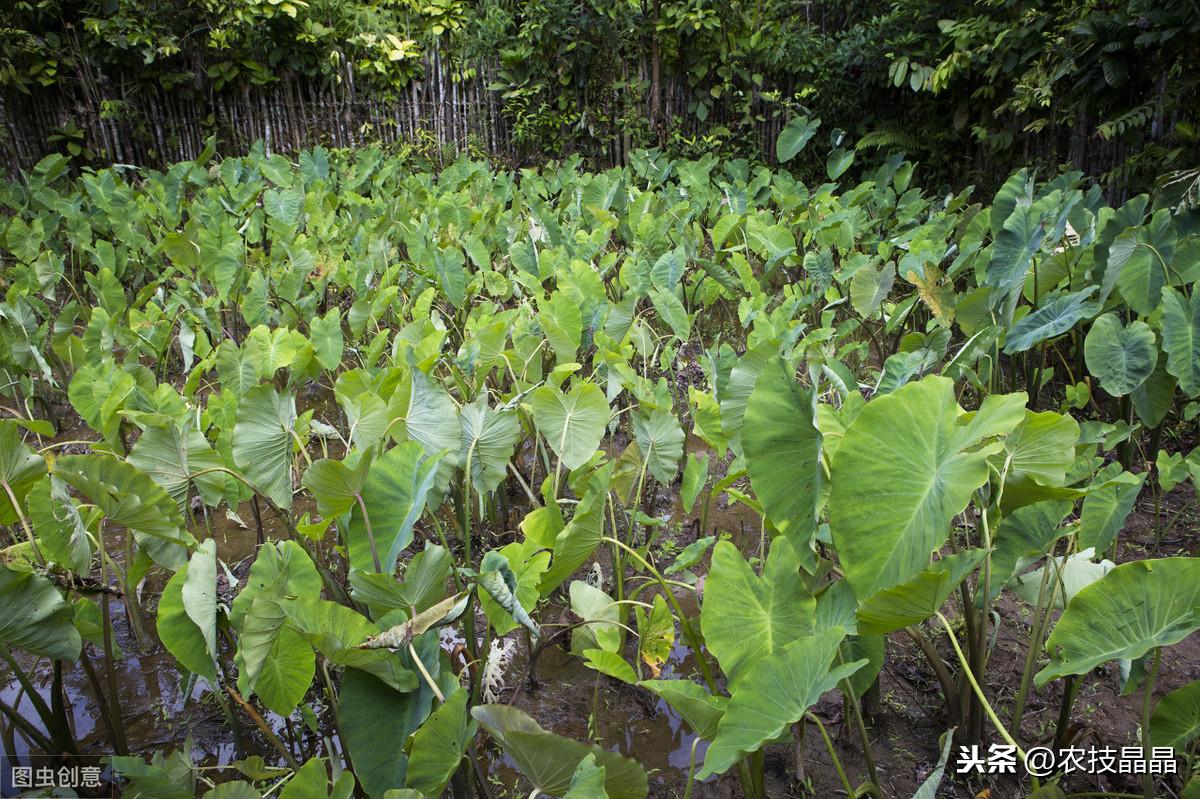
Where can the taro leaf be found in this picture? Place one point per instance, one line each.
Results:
(914, 601)
(1176, 719)
(777, 691)
(432, 420)
(701, 710)
(656, 634)
(375, 723)
(199, 593)
(695, 475)
(488, 439)
(439, 744)
(783, 452)
(660, 439)
(1140, 255)
(1152, 400)
(671, 310)
(901, 368)
(234, 789)
(273, 660)
(336, 486)
(528, 571)
(265, 644)
(130, 499)
(907, 464)
(263, 441)
(839, 161)
(1120, 357)
(576, 542)
(592, 605)
(869, 288)
(61, 532)
(735, 395)
(423, 585)
(1105, 509)
(20, 468)
(171, 456)
(327, 341)
(37, 618)
(1180, 328)
(794, 136)
(1042, 447)
(572, 423)
(179, 634)
(312, 782)
(692, 554)
(668, 269)
(1156, 601)
(496, 577)
(746, 617)
(928, 788)
(1024, 536)
(610, 663)
(367, 415)
(549, 761)
(1015, 245)
(588, 781)
(396, 488)
(338, 632)
(562, 322)
(1052, 319)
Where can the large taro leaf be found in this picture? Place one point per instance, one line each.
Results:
(588, 781)
(375, 722)
(263, 440)
(336, 631)
(1024, 536)
(660, 440)
(130, 499)
(430, 418)
(61, 532)
(1016, 243)
(1052, 319)
(746, 617)
(1042, 447)
(906, 466)
(178, 633)
(1176, 719)
(1133, 609)
(1180, 326)
(1106, 507)
(776, 692)
(783, 452)
(36, 618)
(394, 494)
(488, 439)
(439, 744)
(171, 456)
(199, 593)
(336, 486)
(1120, 357)
(576, 542)
(695, 705)
(572, 423)
(272, 659)
(20, 468)
(549, 761)
(794, 136)
(915, 600)
(325, 333)
(424, 583)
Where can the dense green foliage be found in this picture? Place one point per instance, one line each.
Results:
(510, 363)
(974, 90)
